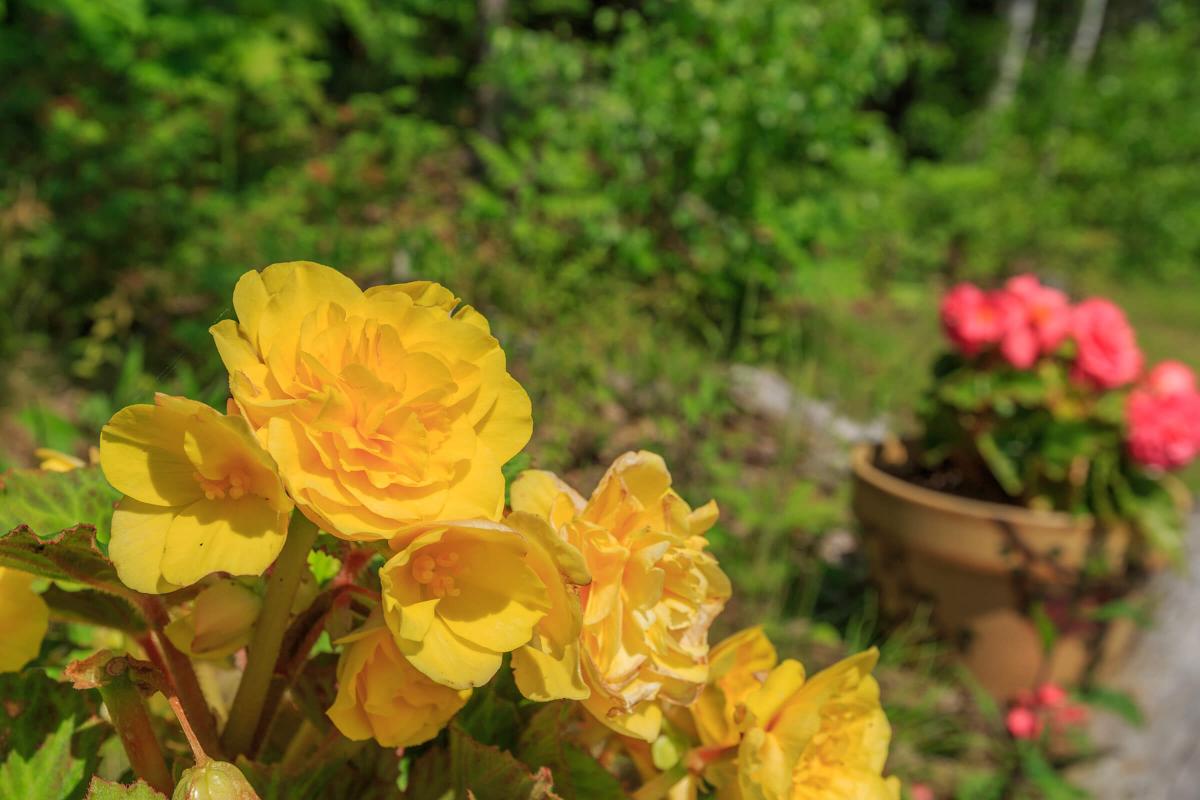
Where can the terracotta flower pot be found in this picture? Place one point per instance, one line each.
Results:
(982, 568)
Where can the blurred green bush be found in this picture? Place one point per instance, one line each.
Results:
(768, 180)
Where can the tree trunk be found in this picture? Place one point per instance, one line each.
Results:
(1021, 14)
(492, 14)
(1087, 35)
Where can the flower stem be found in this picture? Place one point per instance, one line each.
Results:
(180, 673)
(198, 753)
(268, 636)
(128, 711)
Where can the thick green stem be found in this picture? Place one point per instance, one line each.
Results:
(128, 711)
(268, 636)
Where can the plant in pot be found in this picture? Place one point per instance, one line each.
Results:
(1037, 496)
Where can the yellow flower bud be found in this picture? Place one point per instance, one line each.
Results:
(219, 622)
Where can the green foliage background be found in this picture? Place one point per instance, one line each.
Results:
(638, 194)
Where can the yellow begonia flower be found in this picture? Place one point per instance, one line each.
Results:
(655, 589)
(201, 496)
(458, 595)
(820, 739)
(380, 696)
(219, 622)
(383, 408)
(24, 618)
(548, 668)
(736, 667)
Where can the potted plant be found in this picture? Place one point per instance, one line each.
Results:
(1036, 497)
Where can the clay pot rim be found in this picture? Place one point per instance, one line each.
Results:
(862, 462)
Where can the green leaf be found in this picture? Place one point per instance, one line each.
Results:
(577, 776)
(70, 555)
(1119, 703)
(49, 429)
(1042, 775)
(429, 776)
(1006, 471)
(982, 786)
(493, 773)
(1046, 629)
(51, 773)
(100, 789)
(1121, 608)
(490, 718)
(92, 607)
(1153, 511)
(49, 502)
(511, 469)
(34, 704)
(352, 773)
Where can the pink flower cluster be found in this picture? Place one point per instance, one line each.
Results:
(1025, 321)
(1049, 706)
(1163, 417)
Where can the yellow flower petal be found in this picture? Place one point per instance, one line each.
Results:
(139, 536)
(549, 667)
(736, 668)
(542, 677)
(24, 619)
(202, 496)
(381, 696)
(382, 408)
(450, 660)
(241, 537)
(141, 453)
(654, 588)
(824, 738)
(538, 493)
(57, 461)
(508, 424)
(462, 587)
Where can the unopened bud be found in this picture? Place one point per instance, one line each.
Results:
(219, 622)
(214, 780)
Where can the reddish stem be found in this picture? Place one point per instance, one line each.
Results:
(181, 675)
(197, 749)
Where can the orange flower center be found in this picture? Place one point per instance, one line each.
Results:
(437, 571)
(233, 485)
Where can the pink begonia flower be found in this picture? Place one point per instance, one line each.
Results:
(1163, 430)
(1067, 716)
(1050, 695)
(970, 319)
(1047, 309)
(1108, 355)
(1023, 723)
(1171, 378)
(1018, 341)
(921, 791)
